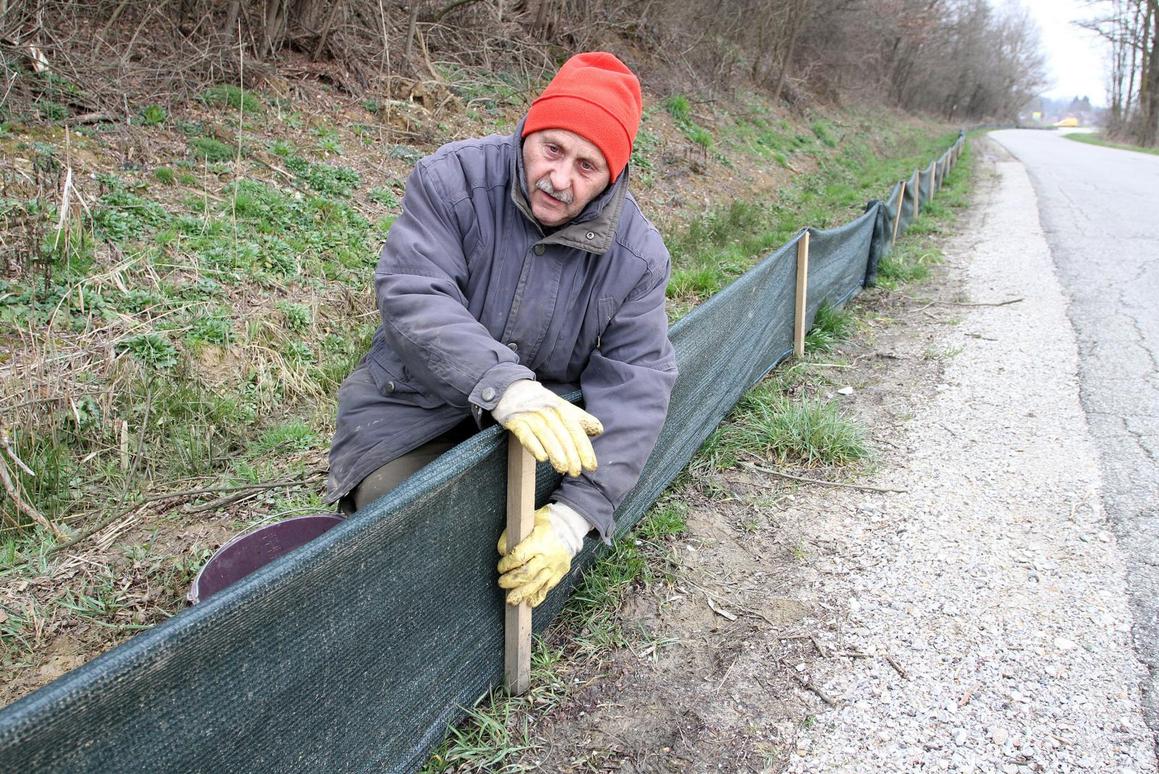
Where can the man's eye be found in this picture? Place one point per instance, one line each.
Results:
(553, 149)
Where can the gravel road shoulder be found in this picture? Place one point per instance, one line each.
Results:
(995, 585)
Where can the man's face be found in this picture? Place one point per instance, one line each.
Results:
(564, 173)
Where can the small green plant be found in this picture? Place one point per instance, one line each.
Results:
(679, 108)
(325, 178)
(905, 265)
(384, 196)
(165, 175)
(824, 132)
(122, 215)
(151, 349)
(809, 431)
(212, 329)
(211, 149)
(52, 111)
(228, 95)
(830, 326)
(153, 115)
(297, 316)
(289, 436)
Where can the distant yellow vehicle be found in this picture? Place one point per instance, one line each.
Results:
(1067, 122)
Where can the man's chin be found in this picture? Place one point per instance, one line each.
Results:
(548, 215)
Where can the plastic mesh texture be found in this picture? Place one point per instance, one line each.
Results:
(356, 651)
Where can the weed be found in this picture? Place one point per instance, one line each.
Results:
(679, 108)
(153, 115)
(211, 149)
(324, 178)
(228, 95)
(151, 349)
(165, 175)
(289, 436)
(384, 196)
(122, 215)
(298, 316)
(211, 329)
(830, 326)
(766, 424)
(823, 130)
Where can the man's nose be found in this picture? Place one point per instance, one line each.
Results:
(560, 177)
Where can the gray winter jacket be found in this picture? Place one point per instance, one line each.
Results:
(474, 295)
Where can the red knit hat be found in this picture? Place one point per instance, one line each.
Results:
(596, 96)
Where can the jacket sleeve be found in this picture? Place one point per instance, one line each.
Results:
(419, 283)
(626, 384)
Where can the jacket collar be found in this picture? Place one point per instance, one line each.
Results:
(593, 229)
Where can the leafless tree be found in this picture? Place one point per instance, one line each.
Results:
(1132, 29)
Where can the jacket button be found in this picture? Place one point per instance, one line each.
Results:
(390, 386)
(539, 249)
(488, 393)
(590, 235)
(513, 347)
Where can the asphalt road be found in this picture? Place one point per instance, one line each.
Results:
(1099, 208)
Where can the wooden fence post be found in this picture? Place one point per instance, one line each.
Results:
(918, 196)
(897, 217)
(520, 521)
(802, 294)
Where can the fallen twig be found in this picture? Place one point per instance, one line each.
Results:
(806, 683)
(896, 666)
(222, 489)
(982, 303)
(861, 487)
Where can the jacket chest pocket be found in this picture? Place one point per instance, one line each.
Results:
(393, 381)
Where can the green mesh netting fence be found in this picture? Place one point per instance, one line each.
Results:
(356, 651)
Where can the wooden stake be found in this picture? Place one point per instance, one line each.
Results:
(918, 196)
(802, 293)
(520, 521)
(897, 217)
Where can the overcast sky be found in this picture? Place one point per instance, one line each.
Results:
(1076, 60)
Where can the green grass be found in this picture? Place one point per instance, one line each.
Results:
(910, 260)
(680, 109)
(725, 242)
(230, 96)
(831, 325)
(768, 425)
(1099, 139)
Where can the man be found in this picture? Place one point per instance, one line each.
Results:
(519, 269)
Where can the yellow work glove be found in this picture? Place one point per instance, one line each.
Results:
(540, 561)
(548, 426)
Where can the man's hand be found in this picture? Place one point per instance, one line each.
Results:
(548, 426)
(537, 564)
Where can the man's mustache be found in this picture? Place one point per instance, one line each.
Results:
(544, 185)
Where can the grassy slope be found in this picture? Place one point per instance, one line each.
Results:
(185, 332)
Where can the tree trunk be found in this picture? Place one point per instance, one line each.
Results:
(1150, 131)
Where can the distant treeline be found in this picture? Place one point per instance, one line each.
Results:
(960, 59)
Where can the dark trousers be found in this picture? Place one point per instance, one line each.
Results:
(393, 473)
